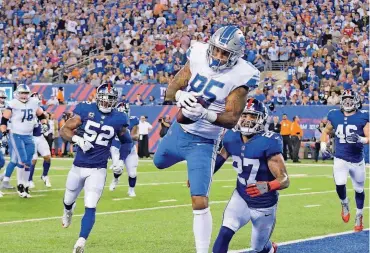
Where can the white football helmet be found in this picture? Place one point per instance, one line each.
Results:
(23, 93)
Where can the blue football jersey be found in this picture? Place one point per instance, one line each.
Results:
(250, 162)
(348, 125)
(99, 129)
(126, 147)
(37, 130)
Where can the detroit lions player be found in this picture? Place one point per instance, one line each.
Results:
(125, 154)
(22, 112)
(216, 72)
(42, 148)
(257, 158)
(99, 123)
(351, 128)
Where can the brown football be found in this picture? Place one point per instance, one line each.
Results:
(184, 120)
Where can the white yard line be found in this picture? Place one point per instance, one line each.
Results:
(167, 200)
(118, 199)
(305, 189)
(310, 206)
(150, 208)
(304, 240)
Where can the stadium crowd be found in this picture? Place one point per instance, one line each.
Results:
(145, 42)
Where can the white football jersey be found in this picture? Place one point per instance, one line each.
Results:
(23, 117)
(215, 86)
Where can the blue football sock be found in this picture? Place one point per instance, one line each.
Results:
(223, 239)
(2, 161)
(342, 192)
(46, 167)
(32, 170)
(9, 169)
(87, 222)
(116, 175)
(132, 181)
(360, 198)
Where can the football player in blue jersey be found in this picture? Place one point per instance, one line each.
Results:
(257, 158)
(351, 129)
(98, 123)
(211, 90)
(125, 154)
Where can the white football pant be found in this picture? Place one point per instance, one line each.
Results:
(356, 171)
(92, 180)
(237, 214)
(131, 162)
(41, 147)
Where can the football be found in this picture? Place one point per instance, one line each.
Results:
(184, 120)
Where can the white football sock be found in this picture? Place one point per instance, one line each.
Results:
(20, 176)
(6, 179)
(359, 211)
(26, 176)
(345, 201)
(202, 228)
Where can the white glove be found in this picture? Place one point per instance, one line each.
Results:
(44, 128)
(82, 143)
(185, 98)
(198, 112)
(323, 147)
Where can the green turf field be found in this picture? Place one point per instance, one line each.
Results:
(160, 218)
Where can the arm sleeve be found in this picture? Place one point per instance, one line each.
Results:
(78, 109)
(275, 146)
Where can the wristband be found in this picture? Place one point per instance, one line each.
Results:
(274, 185)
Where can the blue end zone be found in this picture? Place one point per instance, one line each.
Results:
(355, 242)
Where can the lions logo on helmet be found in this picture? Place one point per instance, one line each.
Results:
(226, 46)
(123, 107)
(349, 101)
(3, 97)
(23, 93)
(106, 97)
(253, 118)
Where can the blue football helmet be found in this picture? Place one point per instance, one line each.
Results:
(106, 97)
(22, 93)
(349, 101)
(123, 107)
(230, 41)
(257, 120)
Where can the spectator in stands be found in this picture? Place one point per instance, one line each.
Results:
(138, 101)
(333, 99)
(52, 101)
(165, 125)
(151, 101)
(280, 95)
(60, 95)
(296, 137)
(143, 144)
(275, 126)
(285, 133)
(71, 100)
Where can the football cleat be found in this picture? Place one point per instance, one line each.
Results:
(20, 190)
(2, 177)
(131, 192)
(67, 216)
(6, 185)
(46, 181)
(31, 184)
(114, 184)
(345, 212)
(27, 192)
(358, 223)
(80, 245)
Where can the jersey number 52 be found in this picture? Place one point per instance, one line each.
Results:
(92, 135)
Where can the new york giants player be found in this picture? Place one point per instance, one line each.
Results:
(351, 128)
(216, 72)
(42, 148)
(98, 124)
(22, 112)
(3, 97)
(125, 154)
(257, 158)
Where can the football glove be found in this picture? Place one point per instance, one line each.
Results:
(4, 139)
(323, 147)
(82, 143)
(44, 128)
(185, 98)
(355, 138)
(198, 112)
(262, 187)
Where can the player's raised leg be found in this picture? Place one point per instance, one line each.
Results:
(131, 163)
(200, 171)
(94, 186)
(74, 185)
(263, 223)
(340, 172)
(236, 215)
(358, 175)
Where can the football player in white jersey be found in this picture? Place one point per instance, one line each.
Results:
(211, 90)
(22, 112)
(3, 97)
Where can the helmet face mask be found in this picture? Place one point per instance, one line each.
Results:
(106, 98)
(253, 118)
(349, 101)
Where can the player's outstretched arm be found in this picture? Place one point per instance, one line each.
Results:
(222, 156)
(277, 167)
(124, 136)
(179, 82)
(7, 114)
(324, 136)
(234, 107)
(135, 133)
(67, 131)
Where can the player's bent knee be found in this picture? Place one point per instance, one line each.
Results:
(199, 202)
(160, 162)
(359, 189)
(132, 173)
(47, 158)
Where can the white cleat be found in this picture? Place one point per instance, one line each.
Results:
(46, 181)
(131, 192)
(114, 184)
(1, 194)
(27, 192)
(80, 245)
(2, 177)
(67, 216)
(31, 184)
(21, 192)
